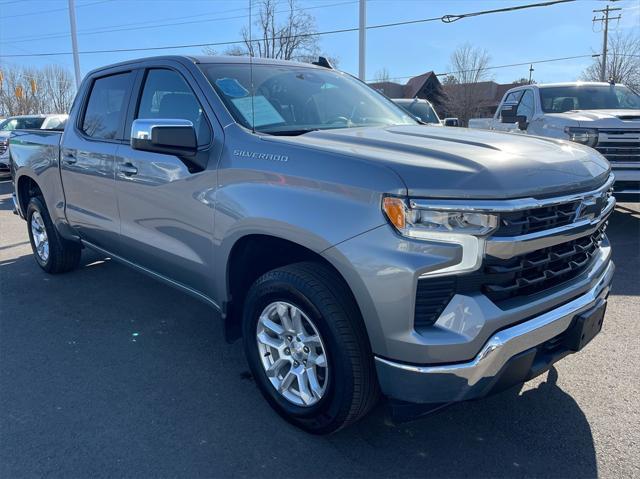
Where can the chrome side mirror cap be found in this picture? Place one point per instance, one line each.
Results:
(166, 136)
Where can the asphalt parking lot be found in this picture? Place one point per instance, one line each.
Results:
(106, 373)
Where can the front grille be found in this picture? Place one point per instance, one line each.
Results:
(3, 147)
(536, 219)
(506, 281)
(432, 296)
(539, 270)
(619, 145)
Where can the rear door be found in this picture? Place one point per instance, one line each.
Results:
(88, 159)
(166, 204)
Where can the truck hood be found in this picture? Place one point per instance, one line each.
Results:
(463, 163)
(601, 118)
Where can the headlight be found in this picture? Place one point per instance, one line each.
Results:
(430, 224)
(585, 136)
(466, 229)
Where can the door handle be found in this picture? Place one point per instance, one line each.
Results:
(128, 169)
(69, 159)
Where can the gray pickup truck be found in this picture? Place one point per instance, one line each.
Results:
(354, 251)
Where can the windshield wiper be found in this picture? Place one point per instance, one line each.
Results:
(298, 132)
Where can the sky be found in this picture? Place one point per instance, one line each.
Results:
(564, 30)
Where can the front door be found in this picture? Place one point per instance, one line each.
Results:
(166, 205)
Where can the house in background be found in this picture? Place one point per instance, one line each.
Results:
(485, 96)
(425, 86)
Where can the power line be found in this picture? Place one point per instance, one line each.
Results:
(107, 27)
(301, 35)
(52, 10)
(455, 18)
(144, 25)
(535, 62)
(593, 55)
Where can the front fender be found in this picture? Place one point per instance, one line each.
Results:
(313, 199)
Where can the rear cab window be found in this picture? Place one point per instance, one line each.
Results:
(103, 117)
(25, 123)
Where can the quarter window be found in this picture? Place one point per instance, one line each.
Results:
(167, 95)
(107, 101)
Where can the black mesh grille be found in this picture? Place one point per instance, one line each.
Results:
(540, 270)
(432, 296)
(536, 219)
(616, 151)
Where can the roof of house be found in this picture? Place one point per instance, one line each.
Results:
(416, 84)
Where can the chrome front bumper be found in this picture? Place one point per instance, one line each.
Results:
(446, 383)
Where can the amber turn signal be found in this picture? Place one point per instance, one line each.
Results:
(394, 209)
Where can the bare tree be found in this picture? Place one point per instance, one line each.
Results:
(464, 90)
(382, 75)
(623, 61)
(523, 81)
(282, 30)
(59, 89)
(26, 91)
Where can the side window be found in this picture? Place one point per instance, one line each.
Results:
(511, 99)
(104, 113)
(167, 95)
(526, 108)
(10, 125)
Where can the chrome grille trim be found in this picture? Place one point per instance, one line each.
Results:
(499, 206)
(506, 247)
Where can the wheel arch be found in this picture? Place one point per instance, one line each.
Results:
(253, 255)
(26, 188)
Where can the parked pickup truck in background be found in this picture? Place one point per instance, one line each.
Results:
(600, 115)
(24, 122)
(352, 249)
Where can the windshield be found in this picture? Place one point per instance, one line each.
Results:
(422, 110)
(28, 123)
(588, 97)
(295, 99)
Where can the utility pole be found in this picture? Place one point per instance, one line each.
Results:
(74, 41)
(605, 20)
(362, 34)
(530, 72)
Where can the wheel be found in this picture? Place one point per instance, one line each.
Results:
(52, 252)
(307, 348)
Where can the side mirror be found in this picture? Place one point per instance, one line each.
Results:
(167, 136)
(451, 122)
(508, 114)
(522, 121)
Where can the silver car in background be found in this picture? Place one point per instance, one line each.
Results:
(25, 122)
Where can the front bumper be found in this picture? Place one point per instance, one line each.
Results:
(509, 357)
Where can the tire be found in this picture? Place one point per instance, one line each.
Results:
(61, 255)
(349, 383)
